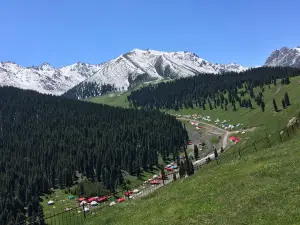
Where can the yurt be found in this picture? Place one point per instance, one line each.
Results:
(51, 202)
(94, 203)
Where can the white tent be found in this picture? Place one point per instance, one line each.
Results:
(136, 191)
(94, 203)
(83, 203)
(112, 203)
(50, 202)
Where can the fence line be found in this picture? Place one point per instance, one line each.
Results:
(78, 216)
(278, 136)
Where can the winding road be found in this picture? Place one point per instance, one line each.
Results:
(216, 131)
(147, 189)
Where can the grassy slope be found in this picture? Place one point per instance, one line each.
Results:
(249, 118)
(261, 188)
(255, 117)
(119, 98)
(113, 99)
(269, 121)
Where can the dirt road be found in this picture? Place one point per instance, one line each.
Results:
(147, 189)
(214, 130)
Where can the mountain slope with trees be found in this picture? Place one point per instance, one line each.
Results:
(46, 141)
(208, 91)
(83, 90)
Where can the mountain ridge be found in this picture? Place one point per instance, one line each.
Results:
(121, 72)
(148, 65)
(44, 78)
(284, 57)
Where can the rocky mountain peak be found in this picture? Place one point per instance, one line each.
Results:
(284, 57)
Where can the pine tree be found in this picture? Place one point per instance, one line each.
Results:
(182, 170)
(287, 80)
(81, 188)
(98, 171)
(196, 152)
(287, 99)
(283, 103)
(210, 105)
(262, 105)
(216, 153)
(120, 176)
(41, 216)
(191, 168)
(275, 105)
(113, 178)
(234, 107)
(20, 217)
(250, 104)
(203, 105)
(29, 210)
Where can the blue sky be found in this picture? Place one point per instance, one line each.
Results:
(62, 32)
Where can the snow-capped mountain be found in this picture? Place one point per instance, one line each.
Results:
(45, 78)
(146, 65)
(284, 57)
(81, 80)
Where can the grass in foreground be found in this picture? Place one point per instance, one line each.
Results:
(261, 188)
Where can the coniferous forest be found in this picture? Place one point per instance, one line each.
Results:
(209, 91)
(86, 90)
(45, 141)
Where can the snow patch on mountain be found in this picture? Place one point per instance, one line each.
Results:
(156, 65)
(45, 78)
(127, 70)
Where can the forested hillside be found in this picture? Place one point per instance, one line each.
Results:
(45, 141)
(84, 90)
(209, 91)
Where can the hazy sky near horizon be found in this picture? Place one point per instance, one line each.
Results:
(63, 32)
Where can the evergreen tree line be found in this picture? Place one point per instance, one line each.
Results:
(209, 91)
(48, 141)
(90, 89)
(285, 102)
